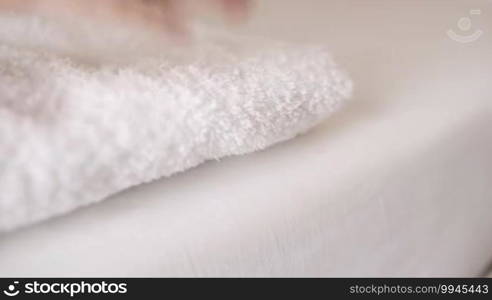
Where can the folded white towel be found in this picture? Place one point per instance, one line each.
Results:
(82, 116)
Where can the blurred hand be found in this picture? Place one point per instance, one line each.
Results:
(170, 15)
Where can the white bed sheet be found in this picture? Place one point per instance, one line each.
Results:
(399, 184)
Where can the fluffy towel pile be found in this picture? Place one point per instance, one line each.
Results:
(85, 115)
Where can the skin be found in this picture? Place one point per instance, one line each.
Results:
(169, 15)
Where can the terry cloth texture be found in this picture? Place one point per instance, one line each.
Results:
(86, 111)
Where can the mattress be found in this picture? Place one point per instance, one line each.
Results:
(398, 184)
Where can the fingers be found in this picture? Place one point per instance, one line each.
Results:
(236, 8)
(174, 15)
(169, 15)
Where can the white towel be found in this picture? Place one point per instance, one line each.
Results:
(86, 111)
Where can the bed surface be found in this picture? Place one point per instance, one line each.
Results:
(397, 184)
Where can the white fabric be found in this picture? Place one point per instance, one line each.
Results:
(74, 130)
(396, 184)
